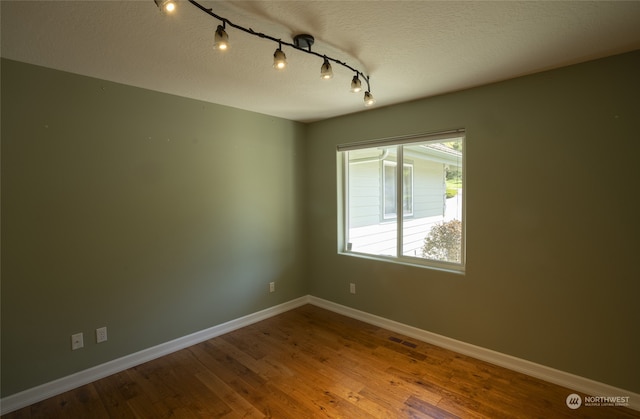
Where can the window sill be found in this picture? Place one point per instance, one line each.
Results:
(409, 261)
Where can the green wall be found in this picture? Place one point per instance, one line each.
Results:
(552, 224)
(158, 216)
(154, 215)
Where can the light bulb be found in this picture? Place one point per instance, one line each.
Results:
(356, 85)
(221, 39)
(166, 6)
(279, 59)
(325, 71)
(368, 99)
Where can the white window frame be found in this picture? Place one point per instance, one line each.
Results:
(344, 247)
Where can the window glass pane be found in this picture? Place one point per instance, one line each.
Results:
(371, 195)
(389, 189)
(390, 186)
(434, 229)
(403, 199)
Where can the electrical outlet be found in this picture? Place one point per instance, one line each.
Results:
(352, 288)
(101, 334)
(272, 286)
(77, 341)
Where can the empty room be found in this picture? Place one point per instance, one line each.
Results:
(345, 209)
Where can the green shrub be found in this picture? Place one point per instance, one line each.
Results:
(444, 242)
(451, 192)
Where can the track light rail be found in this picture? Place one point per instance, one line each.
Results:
(280, 42)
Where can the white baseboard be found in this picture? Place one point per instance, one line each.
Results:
(53, 388)
(561, 378)
(571, 381)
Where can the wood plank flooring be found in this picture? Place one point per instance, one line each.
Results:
(312, 363)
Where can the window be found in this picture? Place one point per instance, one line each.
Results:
(423, 175)
(390, 185)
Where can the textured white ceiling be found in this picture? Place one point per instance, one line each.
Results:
(411, 49)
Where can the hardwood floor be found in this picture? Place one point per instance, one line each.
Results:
(309, 363)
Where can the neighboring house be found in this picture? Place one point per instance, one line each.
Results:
(372, 199)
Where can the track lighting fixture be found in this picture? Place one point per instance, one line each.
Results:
(368, 99)
(325, 71)
(221, 39)
(166, 6)
(279, 59)
(356, 85)
(302, 42)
